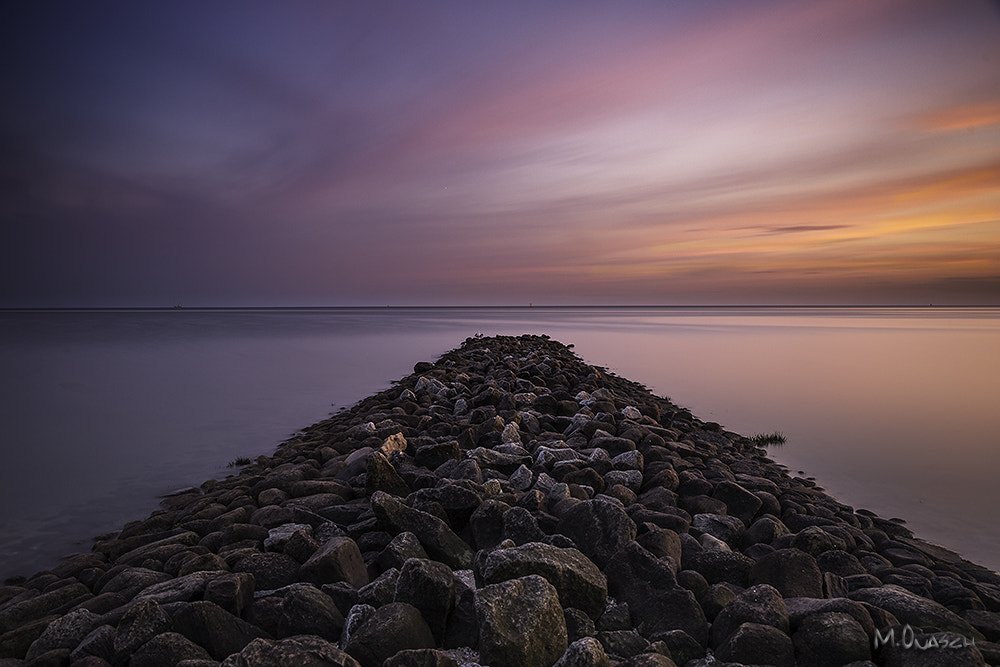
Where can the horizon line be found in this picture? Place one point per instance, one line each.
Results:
(529, 306)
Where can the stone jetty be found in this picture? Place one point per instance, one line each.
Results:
(507, 505)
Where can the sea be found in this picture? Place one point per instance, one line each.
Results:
(102, 412)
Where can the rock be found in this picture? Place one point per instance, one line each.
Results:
(130, 580)
(915, 610)
(99, 643)
(166, 650)
(269, 570)
(392, 628)
(721, 566)
(382, 476)
(760, 604)
(757, 644)
(430, 587)
(520, 623)
(576, 579)
(682, 646)
(141, 622)
(585, 652)
(622, 643)
(599, 528)
(831, 639)
(233, 592)
(337, 560)
(740, 502)
(302, 651)
(792, 571)
(58, 601)
(657, 604)
(438, 540)
(64, 632)
(213, 628)
(420, 657)
(305, 610)
(400, 549)
(724, 527)
(648, 660)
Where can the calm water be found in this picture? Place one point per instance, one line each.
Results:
(100, 412)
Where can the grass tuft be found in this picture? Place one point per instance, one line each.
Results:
(240, 461)
(765, 439)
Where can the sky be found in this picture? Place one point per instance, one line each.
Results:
(327, 153)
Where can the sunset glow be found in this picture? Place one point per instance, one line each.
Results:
(313, 153)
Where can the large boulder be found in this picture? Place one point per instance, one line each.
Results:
(213, 628)
(758, 644)
(166, 650)
(437, 538)
(64, 632)
(577, 580)
(656, 602)
(599, 528)
(919, 612)
(302, 651)
(761, 604)
(520, 623)
(430, 587)
(392, 628)
(585, 652)
(339, 559)
(792, 571)
(831, 639)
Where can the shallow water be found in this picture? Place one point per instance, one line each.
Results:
(102, 411)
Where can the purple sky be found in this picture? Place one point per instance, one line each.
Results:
(334, 153)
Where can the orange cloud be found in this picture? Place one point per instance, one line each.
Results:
(963, 117)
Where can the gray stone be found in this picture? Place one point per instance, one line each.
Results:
(302, 651)
(430, 587)
(520, 623)
(392, 628)
(758, 644)
(337, 560)
(577, 580)
(213, 628)
(915, 610)
(792, 571)
(166, 650)
(599, 528)
(141, 622)
(400, 549)
(831, 639)
(99, 643)
(761, 604)
(585, 652)
(437, 538)
(64, 632)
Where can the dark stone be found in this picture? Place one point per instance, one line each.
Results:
(520, 526)
(740, 502)
(719, 566)
(520, 623)
(392, 628)
(305, 610)
(56, 601)
(166, 650)
(793, 572)
(578, 624)
(584, 652)
(724, 527)
(656, 602)
(400, 549)
(270, 570)
(682, 646)
(420, 657)
(141, 622)
(757, 644)
(213, 628)
(382, 476)
(100, 643)
(839, 562)
(831, 639)
(577, 580)
(63, 633)
(915, 610)
(430, 587)
(438, 540)
(337, 560)
(599, 528)
(760, 604)
(302, 651)
(233, 592)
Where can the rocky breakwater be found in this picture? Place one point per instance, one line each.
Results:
(507, 505)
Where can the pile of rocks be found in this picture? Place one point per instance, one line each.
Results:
(507, 505)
